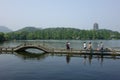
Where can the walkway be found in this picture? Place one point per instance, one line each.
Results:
(23, 47)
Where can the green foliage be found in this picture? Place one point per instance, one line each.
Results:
(2, 38)
(61, 33)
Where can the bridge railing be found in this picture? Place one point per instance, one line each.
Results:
(6, 49)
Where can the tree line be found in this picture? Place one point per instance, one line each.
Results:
(60, 33)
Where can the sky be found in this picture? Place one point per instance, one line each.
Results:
(81, 14)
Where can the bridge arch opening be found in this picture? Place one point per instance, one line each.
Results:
(25, 47)
(32, 50)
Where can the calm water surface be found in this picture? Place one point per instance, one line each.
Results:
(47, 66)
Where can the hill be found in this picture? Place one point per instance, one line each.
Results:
(4, 29)
(28, 29)
(31, 33)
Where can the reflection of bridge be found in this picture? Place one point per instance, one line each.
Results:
(27, 55)
(23, 47)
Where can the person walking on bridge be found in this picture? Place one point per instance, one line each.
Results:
(89, 46)
(101, 46)
(68, 45)
(84, 45)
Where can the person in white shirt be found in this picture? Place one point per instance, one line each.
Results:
(84, 45)
(101, 45)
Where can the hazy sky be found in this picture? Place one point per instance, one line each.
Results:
(82, 14)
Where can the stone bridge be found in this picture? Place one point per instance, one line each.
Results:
(23, 47)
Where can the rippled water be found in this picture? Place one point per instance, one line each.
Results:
(49, 66)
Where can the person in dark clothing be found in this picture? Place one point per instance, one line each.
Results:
(68, 46)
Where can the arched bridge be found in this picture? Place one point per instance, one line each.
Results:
(23, 47)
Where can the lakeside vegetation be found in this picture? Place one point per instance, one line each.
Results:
(31, 33)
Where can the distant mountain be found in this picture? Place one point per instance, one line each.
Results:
(28, 29)
(4, 29)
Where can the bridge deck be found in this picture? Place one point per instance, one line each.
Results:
(22, 47)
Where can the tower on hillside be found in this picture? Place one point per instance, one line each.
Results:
(95, 26)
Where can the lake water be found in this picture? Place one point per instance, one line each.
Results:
(48, 66)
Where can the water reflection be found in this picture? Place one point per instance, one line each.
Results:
(86, 59)
(68, 58)
(28, 55)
